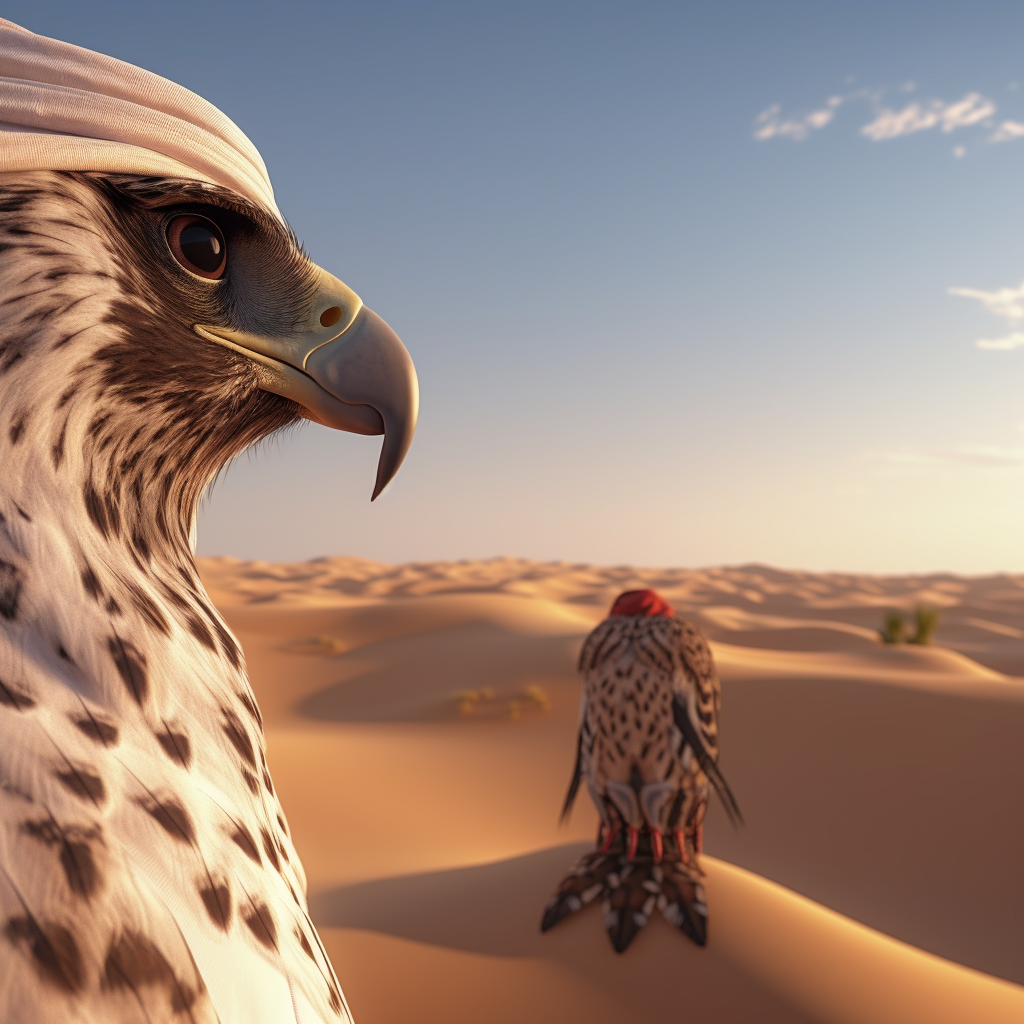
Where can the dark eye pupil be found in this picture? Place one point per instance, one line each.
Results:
(201, 247)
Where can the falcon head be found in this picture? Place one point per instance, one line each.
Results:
(641, 602)
(153, 328)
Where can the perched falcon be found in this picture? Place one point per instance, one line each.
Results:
(648, 750)
(157, 317)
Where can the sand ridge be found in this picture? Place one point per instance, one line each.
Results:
(879, 783)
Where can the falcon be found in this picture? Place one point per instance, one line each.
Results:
(157, 317)
(648, 751)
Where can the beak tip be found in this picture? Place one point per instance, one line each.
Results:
(367, 368)
(392, 455)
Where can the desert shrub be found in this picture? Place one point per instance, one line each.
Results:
(926, 621)
(894, 628)
(466, 701)
(485, 704)
(539, 696)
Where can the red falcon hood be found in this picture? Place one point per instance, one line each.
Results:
(641, 602)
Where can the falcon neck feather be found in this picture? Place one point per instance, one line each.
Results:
(118, 416)
(146, 868)
(114, 416)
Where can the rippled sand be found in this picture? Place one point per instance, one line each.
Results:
(421, 722)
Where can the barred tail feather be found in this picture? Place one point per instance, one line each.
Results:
(586, 880)
(630, 891)
(683, 903)
(629, 902)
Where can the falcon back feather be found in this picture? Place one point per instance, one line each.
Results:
(647, 750)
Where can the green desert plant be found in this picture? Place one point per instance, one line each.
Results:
(894, 628)
(927, 620)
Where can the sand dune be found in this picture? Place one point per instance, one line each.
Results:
(771, 956)
(420, 722)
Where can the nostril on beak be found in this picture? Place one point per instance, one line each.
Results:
(329, 317)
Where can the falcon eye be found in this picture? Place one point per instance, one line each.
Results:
(198, 245)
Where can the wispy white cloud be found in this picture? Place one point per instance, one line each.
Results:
(919, 117)
(1006, 303)
(769, 124)
(888, 123)
(972, 109)
(891, 125)
(1007, 344)
(1007, 132)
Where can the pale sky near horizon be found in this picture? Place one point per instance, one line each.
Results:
(686, 284)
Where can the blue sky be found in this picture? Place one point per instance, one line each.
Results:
(685, 283)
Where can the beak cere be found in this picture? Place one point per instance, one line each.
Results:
(348, 371)
(368, 368)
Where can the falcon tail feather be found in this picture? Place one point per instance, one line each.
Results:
(630, 891)
(708, 764)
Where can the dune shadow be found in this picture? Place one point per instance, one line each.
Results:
(494, 910)
(489, 908)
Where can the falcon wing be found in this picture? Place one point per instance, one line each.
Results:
(695, 738)
(592, 647)
(574, 782)
(700, 726)
(577, 770)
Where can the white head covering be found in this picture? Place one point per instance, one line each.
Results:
(66, 108)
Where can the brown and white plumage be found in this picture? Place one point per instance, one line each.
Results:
(648, 751)
(146, 867)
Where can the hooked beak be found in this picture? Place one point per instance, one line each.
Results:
(347, 369)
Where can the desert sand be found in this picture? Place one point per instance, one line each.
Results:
(421, 722)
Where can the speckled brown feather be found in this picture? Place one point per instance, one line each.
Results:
(146, 872)
(648, 744)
